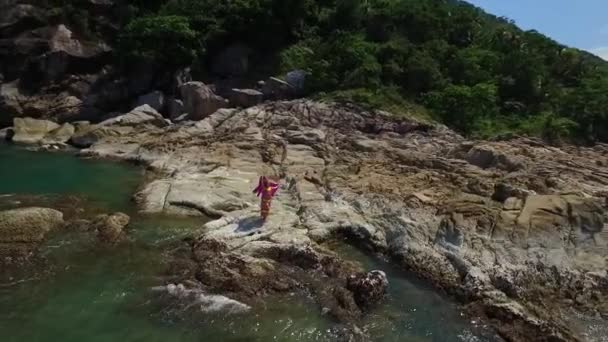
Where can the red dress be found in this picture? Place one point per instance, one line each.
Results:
(267, 190)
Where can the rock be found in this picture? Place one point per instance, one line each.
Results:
(175, 108)
(155, 99)
(31, 131)
(277, 89)
(6, 133)
(200, 101)
(60, 135)
(232, 61)
(245, 97)
(28, 225)
(368, 288)
(110, 228)
(180, 77)
(487, 157)
(503, 191)
(308, 137)
(206, 302)
(297, 79)
(141, 115)
(60, 107)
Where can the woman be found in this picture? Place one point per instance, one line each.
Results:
(267, 189)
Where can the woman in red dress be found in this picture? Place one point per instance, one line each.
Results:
(267, 189)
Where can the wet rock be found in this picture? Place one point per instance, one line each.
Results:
(200, 101)
(6, 134)
(155, 99)
(28, 225)
(368, 288)
(110, 228)
(22, 230)
(31, 131)
(207, 303)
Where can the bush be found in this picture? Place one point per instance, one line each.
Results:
(166, 40)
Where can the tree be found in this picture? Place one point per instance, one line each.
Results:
(463, 107)
(165, 40)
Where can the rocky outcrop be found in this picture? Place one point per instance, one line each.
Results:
(200, 101)
(121, 125)
(32, 131)
(511, 228)
(22, 230)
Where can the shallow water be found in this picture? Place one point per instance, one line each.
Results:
(90, 293)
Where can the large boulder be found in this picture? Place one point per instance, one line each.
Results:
(66, 54)
(200, 101)
(155, 99)
(143, 114)
(110, 228)
(245, 97)
(28, 225)
(59, 107)
(277, 89)
(31, 131)
(487, 157)
(87, 135)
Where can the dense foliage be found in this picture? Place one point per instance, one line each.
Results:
(475, 72)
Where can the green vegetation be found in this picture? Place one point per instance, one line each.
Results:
(477, 73)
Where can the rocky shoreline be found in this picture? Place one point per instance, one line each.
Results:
(514, 229)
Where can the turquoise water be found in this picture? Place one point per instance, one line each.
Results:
(109, 185)
(85, 292)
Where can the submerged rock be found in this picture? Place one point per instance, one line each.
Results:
(110, 228)
(207, 303)
(368, 288)
(28, 225)
(22, 230)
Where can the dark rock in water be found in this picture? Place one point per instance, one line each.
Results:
(369, 288)
(110, 228)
